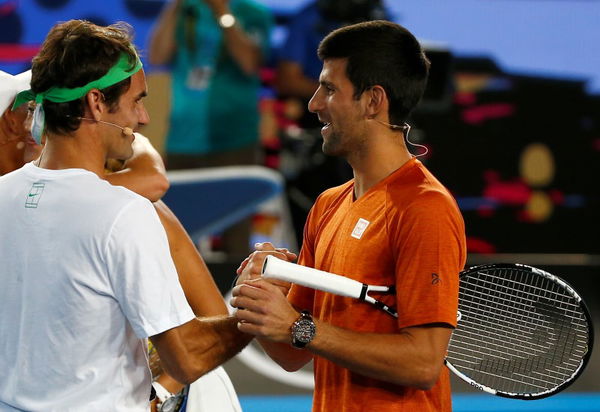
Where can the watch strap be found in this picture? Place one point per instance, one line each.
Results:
(161, 392)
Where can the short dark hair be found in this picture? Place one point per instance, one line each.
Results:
(73, 54)
(381, 53)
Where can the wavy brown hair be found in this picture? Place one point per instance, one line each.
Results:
(73, 54)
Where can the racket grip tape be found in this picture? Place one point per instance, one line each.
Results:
(275, 268)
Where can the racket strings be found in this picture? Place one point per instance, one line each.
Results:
(506, 310)
(520, 331)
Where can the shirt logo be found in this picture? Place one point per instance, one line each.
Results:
(34, 195)
(360, 228)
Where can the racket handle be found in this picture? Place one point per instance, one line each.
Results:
(275, 268)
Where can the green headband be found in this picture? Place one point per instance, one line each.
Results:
(120, 71)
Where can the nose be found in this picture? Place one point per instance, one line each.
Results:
(143, 116)
(316, 102)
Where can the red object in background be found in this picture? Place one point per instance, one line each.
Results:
(486, 211)
(267, 75)
(557, 197)
(7, 8)
(465, 98)
(514, 192)
(15, 53)
(479, 114)
(478, 245)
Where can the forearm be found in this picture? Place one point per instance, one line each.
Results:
(244, 51)
(162, 39)
(286, 356)
(196, 347)
(412, 357)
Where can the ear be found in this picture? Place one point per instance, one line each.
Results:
(95, 103)
(377, 101)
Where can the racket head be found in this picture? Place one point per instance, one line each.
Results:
(522, 333)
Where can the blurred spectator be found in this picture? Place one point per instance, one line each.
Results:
(215, 49)
(299, 67)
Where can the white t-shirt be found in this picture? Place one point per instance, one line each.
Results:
(85, 277)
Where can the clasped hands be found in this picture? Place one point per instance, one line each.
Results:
(262, 307)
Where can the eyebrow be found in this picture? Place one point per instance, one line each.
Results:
(326, 83)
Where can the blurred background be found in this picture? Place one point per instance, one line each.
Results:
(511, 119)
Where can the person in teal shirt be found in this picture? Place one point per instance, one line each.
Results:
(215, 49)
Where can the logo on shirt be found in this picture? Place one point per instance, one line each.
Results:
(360, 228)
(34, 195)
(435, 279)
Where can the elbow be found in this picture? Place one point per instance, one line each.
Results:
(161, 185)
(157, 184)
(189, 372)
(422, 375)
(426, 377)
(290, 367)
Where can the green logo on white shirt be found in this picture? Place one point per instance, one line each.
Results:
(34, 195)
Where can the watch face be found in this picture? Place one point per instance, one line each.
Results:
(171, 404)
(304, 330)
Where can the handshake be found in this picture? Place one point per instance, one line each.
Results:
(262, 307)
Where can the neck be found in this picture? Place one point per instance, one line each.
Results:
(80, 150)
(383, 155)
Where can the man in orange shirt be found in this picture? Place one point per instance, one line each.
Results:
(393, 224)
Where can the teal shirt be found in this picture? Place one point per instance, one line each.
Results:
(214, 103)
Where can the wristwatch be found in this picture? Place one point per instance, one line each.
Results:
(303, 330)
(167, 401)
(226, 20)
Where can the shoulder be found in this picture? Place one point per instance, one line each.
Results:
(417, 190)
(111, 203)
(332, 196)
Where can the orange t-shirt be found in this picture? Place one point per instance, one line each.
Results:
(405, 231)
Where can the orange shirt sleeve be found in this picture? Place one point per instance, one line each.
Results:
(299, 296)
(430, 252)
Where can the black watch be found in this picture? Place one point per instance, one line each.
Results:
(303, 330)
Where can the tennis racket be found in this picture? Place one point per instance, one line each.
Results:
(522, 332)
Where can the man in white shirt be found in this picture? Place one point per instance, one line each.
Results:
(87, 275)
